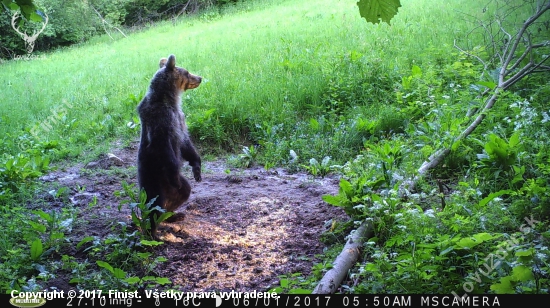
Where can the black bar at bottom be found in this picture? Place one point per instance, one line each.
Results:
(285, 300)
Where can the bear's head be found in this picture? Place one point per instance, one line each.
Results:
(181, 78)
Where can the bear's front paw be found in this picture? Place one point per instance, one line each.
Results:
(197, 174)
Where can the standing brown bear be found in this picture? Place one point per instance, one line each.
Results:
(165, 142)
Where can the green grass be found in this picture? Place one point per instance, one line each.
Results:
(313, 79)
(266, 61)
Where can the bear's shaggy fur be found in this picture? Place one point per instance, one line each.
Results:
(165, 142)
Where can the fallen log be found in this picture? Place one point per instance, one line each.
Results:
(345, 260)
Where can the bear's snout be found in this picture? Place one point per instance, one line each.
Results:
(198, 79)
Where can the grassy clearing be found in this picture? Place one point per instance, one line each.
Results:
(268, 63)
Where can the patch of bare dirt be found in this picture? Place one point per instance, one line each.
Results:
(241, 230)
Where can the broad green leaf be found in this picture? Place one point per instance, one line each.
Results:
(346, 188)
(84, 241)
(149, 278)
(371, 267)
(118, 273)
(161, 259)
(522, 273)
(43, 215)
(468, 242)
(163, 280)
(456, 144)
(277, 290)
(75, 280)
(28, 10)
(524, 253)
(284, 283)
(24, 2)
(208, 113)
(151, 243)
(334, 200)
(514, 140)
(416, 72)
(444, 252)
(164, 216)
(57, 235)
(378, 10)
(492, 196)
(484, 236)
(488, 84)
(144, 255)
(9, 164)
(133, 280)
(135, 219)
(36, 249)
(104, 265)
(10, 5)
(377, 183)
(314, 124)
(35, 17)
(406, 82)
(37, 226)
(504, 287)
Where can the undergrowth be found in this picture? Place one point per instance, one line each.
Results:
(320, 92)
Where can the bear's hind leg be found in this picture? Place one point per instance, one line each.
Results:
(175, 197)
(148, 182)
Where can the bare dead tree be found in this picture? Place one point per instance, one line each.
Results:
(518, 48)
(105, 23)
(181, 11)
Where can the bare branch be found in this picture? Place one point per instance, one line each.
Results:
(183, 9)
(518, 61)
(539, 65)
(492, 40)
(507, 52)
(508, 41)
(485, 65)
(544, 44)
(105, 22)
(519, 36)
(517, 76)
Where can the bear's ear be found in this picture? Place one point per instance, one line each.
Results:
(162, 62)
(171, 63)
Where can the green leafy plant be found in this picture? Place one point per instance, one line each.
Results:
(319, 169)
(500, 160)
(141, 209)
(55, 227)
(292, 284)
(375, 11)
(249, 156)
(148, 265)
(15, 169)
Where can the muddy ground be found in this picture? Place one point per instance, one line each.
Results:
(242, 229)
